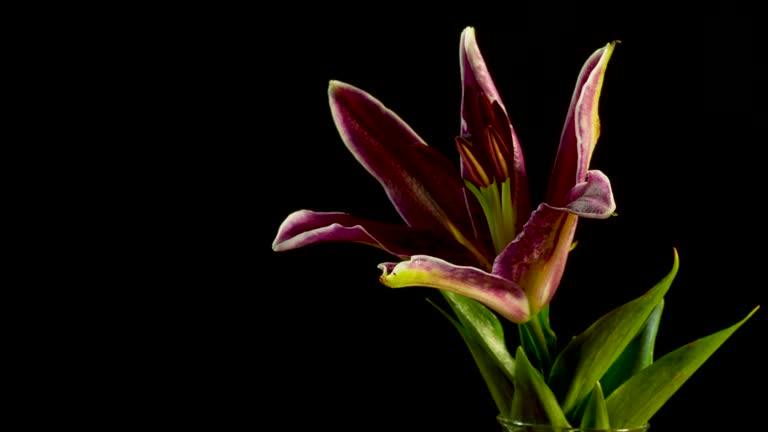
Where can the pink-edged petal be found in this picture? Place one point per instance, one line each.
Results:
(592, 198)
(499, 294)
(478, 85)
(422, 183)
(581, 130)
(306, 227)
(536, 259)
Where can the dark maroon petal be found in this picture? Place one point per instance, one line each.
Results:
(305, 227)
(480, 227)
(476, 80)
(423, 184)
(478, 87)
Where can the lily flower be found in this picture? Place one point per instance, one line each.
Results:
(468, 230)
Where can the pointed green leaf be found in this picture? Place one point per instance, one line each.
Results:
(485, 325)
(588, 356)
(495, 379)
(533, 400)
(638, 399)
(596, 414)
(637, 356)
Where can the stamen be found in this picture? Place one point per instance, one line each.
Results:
(474, 169)
(499, 159)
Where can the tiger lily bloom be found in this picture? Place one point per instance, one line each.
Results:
(468, 230)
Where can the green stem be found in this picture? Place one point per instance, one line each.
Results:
(507, 212)
(539, 339)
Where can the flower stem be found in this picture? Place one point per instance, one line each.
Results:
(539, 340)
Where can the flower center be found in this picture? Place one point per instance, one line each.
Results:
(487, 157)
(496, 202)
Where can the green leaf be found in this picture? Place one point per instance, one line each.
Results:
(588, 356)
(638, 399)
(596, 414)
(533, 400)
(636, 356)
(495, 379)
(486, 328)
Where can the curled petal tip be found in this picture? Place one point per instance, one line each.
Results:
(386, 270)
(592, 198)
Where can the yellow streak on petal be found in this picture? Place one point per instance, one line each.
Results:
(600, 68)
(538, 282)
(466, 243)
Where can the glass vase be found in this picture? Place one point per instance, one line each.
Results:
(518, 426)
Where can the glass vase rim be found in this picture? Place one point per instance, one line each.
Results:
(504, 421)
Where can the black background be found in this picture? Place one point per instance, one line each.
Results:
(682, 135)
(310, 339)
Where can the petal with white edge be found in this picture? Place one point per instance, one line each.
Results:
(499, 294)
(306, 227)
